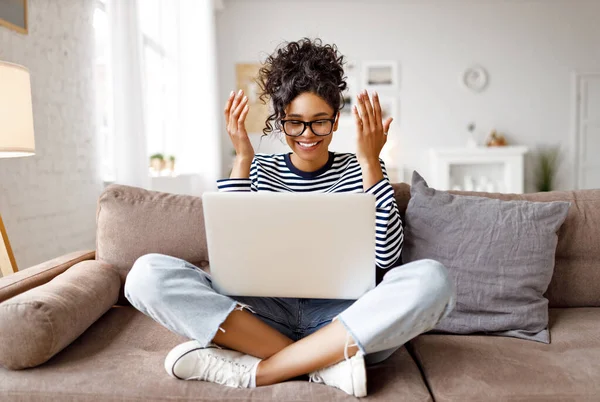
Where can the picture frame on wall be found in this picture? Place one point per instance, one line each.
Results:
(349, 94)
(246, 75)
(378, 75)
(13, 15)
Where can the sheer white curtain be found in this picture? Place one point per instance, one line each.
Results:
(128, 128)
(200, 112)
(165, 88)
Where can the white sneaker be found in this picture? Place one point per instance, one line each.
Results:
(190, 361)
(349, 375)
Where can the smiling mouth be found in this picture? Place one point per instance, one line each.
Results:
(308, 145)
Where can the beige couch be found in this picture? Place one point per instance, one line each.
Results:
(120, 356)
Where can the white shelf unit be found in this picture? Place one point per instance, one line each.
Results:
(490, 169)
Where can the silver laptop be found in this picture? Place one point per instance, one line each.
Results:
(291, 244)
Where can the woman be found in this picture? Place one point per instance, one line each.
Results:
(252, 341)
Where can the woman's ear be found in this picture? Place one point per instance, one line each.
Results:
(337, 120)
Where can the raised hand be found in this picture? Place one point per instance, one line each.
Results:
(371, 131)
(236, 110)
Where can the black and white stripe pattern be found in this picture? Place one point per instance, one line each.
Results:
(342, 173)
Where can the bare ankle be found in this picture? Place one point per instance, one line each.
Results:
(261, 378)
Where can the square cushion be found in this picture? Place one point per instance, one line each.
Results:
(499, 253)
(132, 222)
(476, 368)
(121, 358)
(576, 278)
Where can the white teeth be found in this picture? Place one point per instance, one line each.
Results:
(305, 145)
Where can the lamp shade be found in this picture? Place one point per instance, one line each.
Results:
(16, 116)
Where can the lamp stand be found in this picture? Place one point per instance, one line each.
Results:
(8, 265)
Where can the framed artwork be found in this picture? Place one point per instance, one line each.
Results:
(349, 94)
(246, 75)
(13, 15)
(380, 74)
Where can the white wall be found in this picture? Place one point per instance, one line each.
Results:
(48, 201)
(530, 49)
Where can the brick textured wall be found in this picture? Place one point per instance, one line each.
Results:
(48, 201)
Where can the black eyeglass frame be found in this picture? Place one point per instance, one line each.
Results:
(309, 124)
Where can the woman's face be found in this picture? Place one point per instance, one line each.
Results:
(311, 151)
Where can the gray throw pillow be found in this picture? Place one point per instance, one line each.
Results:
(499, 253)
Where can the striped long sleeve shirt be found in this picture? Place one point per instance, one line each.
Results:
(341, 174)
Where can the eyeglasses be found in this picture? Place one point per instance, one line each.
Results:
(295, 128)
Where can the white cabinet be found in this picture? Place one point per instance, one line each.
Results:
(187, 184)
(489, 169)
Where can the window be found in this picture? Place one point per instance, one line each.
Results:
(159, 27)
(103, 83)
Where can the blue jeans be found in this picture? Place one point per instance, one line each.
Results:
(410, 300)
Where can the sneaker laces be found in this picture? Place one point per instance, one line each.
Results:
(219, 369)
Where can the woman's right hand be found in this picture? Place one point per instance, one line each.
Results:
(235, 112)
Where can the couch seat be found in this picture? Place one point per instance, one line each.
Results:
(120, 358)
(476, 368)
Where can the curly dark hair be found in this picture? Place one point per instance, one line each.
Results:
(297, 67)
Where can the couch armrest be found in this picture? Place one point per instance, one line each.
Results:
(37, 275)
(37, 324)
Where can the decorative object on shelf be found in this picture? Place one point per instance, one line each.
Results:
(246, 75)
(161, 165)
(482, 184)
(472, 140)
(16, 136)
(170, 164)
(157, 163)
(546, 167)
(380, 75)
(468, 183)
(496, 140)
(13, 15)
(475, 78)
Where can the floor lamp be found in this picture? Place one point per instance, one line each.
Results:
(16, 136)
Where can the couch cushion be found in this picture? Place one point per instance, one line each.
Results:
(121, 358)
(132, 222)
(500, 255)
(37, 275)
(475, 368)
(37, 324)
(576, 279)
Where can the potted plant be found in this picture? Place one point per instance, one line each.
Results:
(546, 168)
(157, 162)
(171, 164)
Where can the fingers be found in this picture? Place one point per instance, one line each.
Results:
(242, 119)
(364, 116)
(386, 124)
(228, 105)
(377, 111)
(369, 108)
(236, 108)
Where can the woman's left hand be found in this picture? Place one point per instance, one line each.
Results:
(370, 129)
